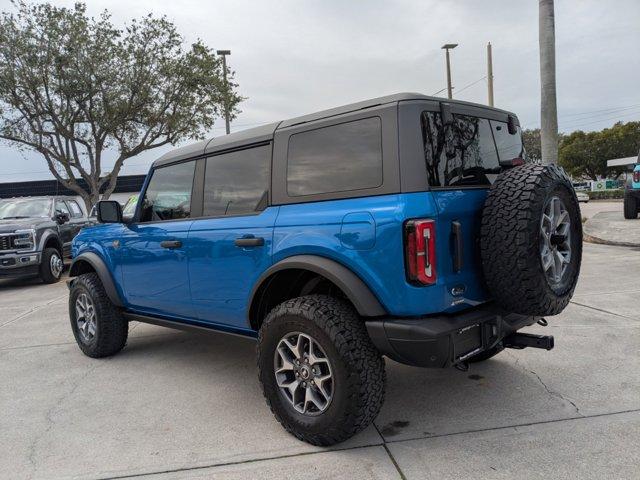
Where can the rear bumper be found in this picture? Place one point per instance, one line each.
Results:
(444, 340)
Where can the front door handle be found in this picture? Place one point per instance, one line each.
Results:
(171, 244)
(249, 242)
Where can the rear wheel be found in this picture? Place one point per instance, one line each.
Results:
(631, 206)
(322, 377)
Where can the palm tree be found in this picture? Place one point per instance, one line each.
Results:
(549, 108)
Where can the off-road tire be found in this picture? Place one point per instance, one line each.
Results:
(46, 275)
(358, 368)
(510, 240)
(631, 206)
(111, 329)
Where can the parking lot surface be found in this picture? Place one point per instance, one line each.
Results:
(187, 405)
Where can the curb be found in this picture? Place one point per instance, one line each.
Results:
(601, 241)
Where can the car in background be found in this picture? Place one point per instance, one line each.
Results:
(582, 196)
(36, 235)
(632, 195)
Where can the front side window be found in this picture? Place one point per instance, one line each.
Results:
(338, 158)
(168, 196)
(237, 183)
(460, 154)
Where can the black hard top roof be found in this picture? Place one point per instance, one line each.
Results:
(265, 133)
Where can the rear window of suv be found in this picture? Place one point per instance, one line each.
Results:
(469, 152)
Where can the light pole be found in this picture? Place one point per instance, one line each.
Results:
(490, 74)
(224, 54)
(447, 47)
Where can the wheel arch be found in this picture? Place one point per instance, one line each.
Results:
(51, 240)
(296, 267)
(91, 262)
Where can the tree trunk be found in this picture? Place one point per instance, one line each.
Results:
(549, 109)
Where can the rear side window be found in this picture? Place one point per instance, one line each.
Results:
(338, 158)
(168, 196)
(61, 207)
(462, 154)
(509, 145)
(237, 183)
(76, 212)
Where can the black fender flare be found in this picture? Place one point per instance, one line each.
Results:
(97, 264)
(49, 233)
(360, 295)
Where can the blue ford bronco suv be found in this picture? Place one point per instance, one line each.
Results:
(404, 226)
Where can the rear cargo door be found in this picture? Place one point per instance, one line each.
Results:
(462, 162)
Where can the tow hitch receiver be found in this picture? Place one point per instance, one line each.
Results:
(524, 340)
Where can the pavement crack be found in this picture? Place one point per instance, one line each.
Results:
(31, 310)
(551, 392)
(601, 310)
(556, 394)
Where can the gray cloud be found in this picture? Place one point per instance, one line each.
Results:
(293, 57)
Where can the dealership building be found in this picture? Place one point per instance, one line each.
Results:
(126, 186)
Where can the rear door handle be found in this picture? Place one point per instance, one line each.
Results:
(171, 244)
(249, 242)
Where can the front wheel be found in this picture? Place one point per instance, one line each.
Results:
(322, 377)
(51, 266)
(98, 326)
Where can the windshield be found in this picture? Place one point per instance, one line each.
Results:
(24, 208)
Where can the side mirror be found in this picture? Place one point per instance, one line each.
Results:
(512, 125)
(109, 211)
(62, 217)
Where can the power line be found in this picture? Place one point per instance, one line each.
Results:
(602, 120)
(471, 84)
(609, 110)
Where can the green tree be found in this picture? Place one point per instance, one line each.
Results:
(585, 154)
(76, 89)
(531, 142)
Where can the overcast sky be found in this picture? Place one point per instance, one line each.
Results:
(294, 57)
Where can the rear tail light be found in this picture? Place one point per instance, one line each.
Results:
(636, 176)
(420, 251)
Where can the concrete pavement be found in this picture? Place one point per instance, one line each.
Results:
(185, 405)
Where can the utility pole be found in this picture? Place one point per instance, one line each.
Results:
(224, 54)
(549, 106)
(490, 74)
(447, 47)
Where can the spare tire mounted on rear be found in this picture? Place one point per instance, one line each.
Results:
(531, 240)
